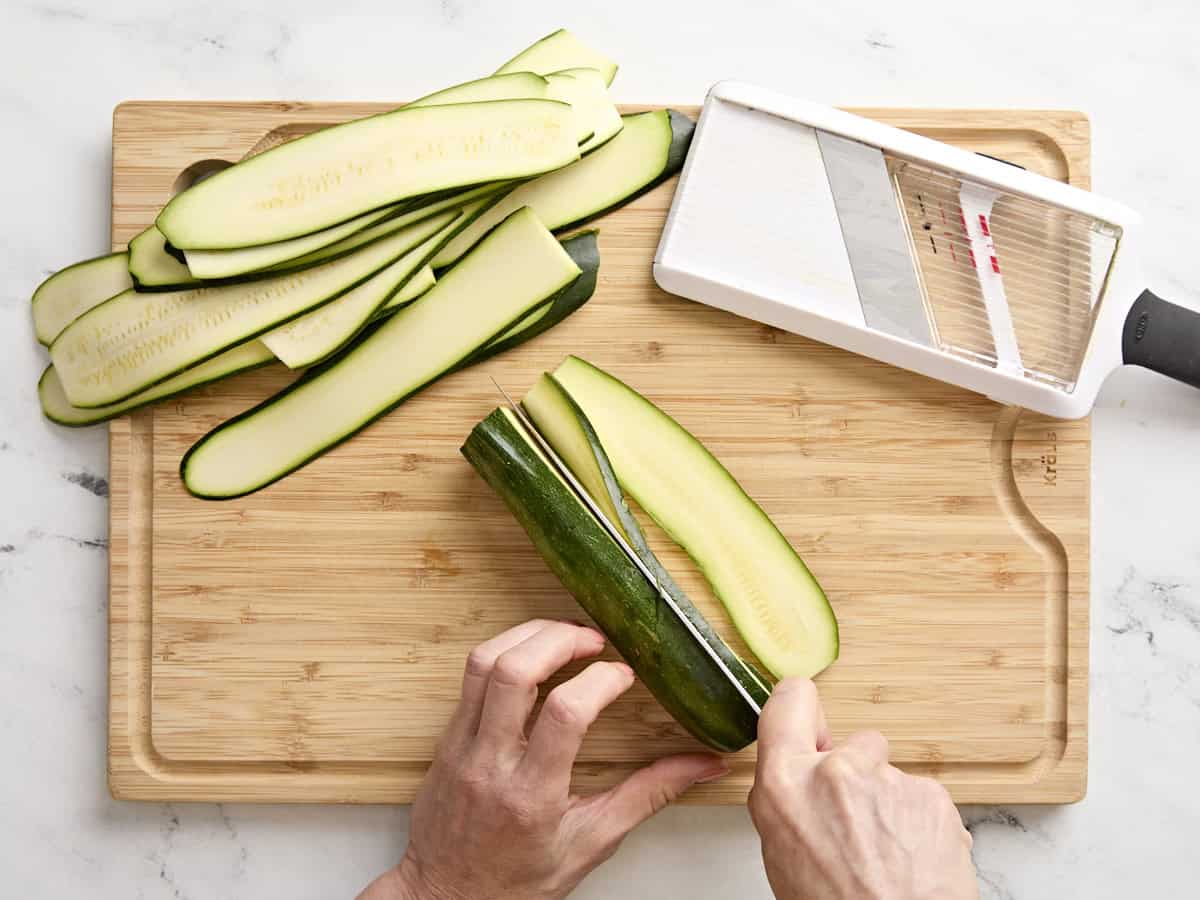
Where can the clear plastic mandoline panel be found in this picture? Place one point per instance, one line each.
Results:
(1008, 281)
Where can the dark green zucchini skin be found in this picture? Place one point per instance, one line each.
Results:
(610, 588)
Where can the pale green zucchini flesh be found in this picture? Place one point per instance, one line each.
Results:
(515, 269)
(69, 293)
(341, 172)
(649, 149)
(558, 51)
(133, 341)
(586, 91)
(57, 408)
(421, 282)
(153, 268)
(313, 336)
(506, 86)
(773, 599)
(217, 264)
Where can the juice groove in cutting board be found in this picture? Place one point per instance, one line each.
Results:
(306, 643)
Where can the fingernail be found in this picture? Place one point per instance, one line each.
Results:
(713, 775)
(625, 667)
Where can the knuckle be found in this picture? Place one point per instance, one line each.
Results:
(480, 662)
(566, 711)
(511, 670)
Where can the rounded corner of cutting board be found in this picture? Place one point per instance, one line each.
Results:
(1050, 480)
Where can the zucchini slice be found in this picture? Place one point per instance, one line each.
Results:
(313, 336)
(341, 172)
(134, 341)
(69, 293)
(153, 268)
(557, 51)
(57, 408)
(587, 92)
(649, 149)
(219, 264)
(515, 269)
(774, 601)
(663, 653)
(501, 86)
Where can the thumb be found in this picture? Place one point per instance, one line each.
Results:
(648, 791)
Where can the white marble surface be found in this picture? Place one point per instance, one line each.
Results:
(65, 63)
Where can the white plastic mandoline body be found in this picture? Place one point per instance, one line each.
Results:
(769, 288)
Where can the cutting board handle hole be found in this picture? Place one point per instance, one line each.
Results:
(197, 172)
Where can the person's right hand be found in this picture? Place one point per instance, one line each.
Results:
(838, 822)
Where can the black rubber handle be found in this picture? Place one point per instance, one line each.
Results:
(1164, 337)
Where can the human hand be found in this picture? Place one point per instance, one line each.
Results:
(495, 817)
(839, 822)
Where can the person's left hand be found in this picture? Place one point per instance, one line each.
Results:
(495, 817)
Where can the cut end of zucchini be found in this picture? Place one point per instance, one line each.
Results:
(773, 599)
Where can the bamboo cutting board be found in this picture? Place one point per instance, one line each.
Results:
(306, 643)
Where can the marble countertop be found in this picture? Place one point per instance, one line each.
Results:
(64, 64)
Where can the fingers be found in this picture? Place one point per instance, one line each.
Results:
(648, 791)
(478, 673)
(792, 723)
(513, 686)
(569, 710)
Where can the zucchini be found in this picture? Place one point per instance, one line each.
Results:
(216, 264)
(57, 408)
(772, 598)
(341, 172)
(558, 51)
(133, 341)
(69, 293)
(613, 591)
(153, 268)
(649, 149)
(513, 270)
(587, 92)
(313, 336)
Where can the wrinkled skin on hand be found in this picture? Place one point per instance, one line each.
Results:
(495, 817)
(839, 823)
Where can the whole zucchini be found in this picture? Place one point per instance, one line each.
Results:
(612, 590)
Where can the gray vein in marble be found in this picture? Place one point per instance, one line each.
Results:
(877, 40)
(93, 484)
(93, 543)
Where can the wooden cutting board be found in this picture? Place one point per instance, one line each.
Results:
(305, 643)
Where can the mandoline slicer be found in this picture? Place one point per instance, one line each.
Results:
(916, 253)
